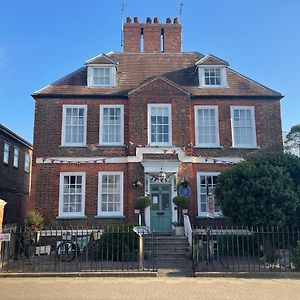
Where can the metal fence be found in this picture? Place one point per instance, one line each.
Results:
(246, 249)
(92, 249)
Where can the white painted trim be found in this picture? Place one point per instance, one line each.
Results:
(107, 56)
(61, 186)
(212, 56)
(154, 166)
(199, 212)
(101, 126)
(112, 75)
(203, 145)
(252, 110)
(161, 105)
(223, 74)
(100, 213)
(137, 158)
(63, 143)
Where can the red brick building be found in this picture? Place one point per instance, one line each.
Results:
(15, 174)
(151, 114)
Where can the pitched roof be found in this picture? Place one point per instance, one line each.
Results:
(134, 69)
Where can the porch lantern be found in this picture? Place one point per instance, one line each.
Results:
(161, 175)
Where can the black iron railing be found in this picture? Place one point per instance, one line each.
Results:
(246, 249)
(80, 249)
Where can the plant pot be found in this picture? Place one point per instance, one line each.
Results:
(179, 230)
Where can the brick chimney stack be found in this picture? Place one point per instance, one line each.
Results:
(152, 37)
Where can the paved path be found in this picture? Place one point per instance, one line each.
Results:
(175, 268)
(148, 288)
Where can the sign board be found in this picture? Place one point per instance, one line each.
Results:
(140, 230)
(185, 191)
(4, 237)
(210, 206)
(155, 200)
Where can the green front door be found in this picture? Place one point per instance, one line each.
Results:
(161, 208)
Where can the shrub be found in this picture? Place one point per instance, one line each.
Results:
(142, 202)
(296, 256)
(34, 221)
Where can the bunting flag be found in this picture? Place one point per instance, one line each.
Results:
(206, 159)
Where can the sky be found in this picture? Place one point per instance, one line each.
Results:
(44, 40)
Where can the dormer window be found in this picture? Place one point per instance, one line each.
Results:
(101, 76)
(212, 76)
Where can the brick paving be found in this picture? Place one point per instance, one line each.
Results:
(148, 288)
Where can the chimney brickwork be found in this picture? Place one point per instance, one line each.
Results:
(152, 38)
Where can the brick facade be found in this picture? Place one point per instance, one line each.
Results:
(14, 181)
(135, 93)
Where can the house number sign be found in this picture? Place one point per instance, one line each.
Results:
(185, 191)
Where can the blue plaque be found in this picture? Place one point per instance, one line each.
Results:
(185, 191)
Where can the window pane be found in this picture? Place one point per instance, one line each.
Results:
(159, 125)
(111, 193)
(243, 129)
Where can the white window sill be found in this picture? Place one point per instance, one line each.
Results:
(245, 147)
(213, 86)
(110, 217)
(208, 147)
(73, 146)
(70, 217)
(101, 86)
(112, 145)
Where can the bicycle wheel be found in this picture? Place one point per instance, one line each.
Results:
(66, 251)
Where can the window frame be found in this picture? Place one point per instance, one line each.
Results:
(252, 111)
(223, 76)
(112, 75)
(207, 145)
(63, 131)
(16, 161)
(160, 105)
(27, 167)
(199, 212)
(61, 213)
(101, 213)
(6, 153)
(101, 142)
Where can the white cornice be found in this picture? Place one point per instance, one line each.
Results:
(138, 158)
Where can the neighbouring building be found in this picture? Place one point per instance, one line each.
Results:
(15, 174)
(140, 122)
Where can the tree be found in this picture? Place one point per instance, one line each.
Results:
(262, 190)
(292, 141)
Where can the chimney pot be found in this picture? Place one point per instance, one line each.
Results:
(148, 21)
(155, 20)
(175, 21)
(128, 20)
(135, 20)
(168, 21)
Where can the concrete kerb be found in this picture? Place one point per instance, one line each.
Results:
(258, 275)
(79, 274)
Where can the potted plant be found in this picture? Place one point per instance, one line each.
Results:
(181, 203)
(141, 203)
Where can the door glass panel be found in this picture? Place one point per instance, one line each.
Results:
(155, 201)
(165, 205)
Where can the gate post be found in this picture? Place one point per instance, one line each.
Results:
(141, 252)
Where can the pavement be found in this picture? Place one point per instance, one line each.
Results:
(148, 288)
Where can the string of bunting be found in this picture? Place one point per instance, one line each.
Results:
(164, 151)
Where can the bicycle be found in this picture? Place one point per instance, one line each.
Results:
(67, 250)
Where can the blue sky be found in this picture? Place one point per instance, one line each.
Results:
(41, 41)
